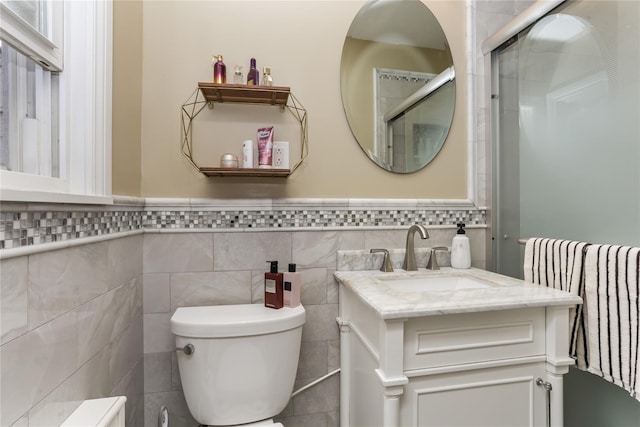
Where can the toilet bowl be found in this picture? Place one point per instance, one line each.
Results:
(237, 362)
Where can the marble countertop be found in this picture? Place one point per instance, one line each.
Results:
(501, 293)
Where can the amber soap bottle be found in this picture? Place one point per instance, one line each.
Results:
(273, 293)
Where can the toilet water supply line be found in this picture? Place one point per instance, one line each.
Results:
(311, 384)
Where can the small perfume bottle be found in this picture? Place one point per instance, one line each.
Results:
(253, 76)
(266, 77)
(238, 77)
(219, 70)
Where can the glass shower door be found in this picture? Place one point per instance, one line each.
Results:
(568, 149)
(567, 154)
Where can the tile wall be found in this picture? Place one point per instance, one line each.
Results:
(108, 289)
(189, 269)
(71, 324)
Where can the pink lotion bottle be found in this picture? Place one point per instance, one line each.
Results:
(292, 283)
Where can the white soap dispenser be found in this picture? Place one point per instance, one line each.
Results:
(460, 250)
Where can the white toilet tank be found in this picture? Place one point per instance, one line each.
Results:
(244, 361)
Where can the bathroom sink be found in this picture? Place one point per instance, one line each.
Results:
(432, 283)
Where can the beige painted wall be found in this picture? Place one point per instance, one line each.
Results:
(127, 98)
(302, 43)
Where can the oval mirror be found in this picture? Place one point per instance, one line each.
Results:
(397, 83)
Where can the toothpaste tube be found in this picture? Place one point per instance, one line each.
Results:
(265, 146)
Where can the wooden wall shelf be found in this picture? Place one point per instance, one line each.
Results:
(277, 173)
(271, 95)
(212, 93)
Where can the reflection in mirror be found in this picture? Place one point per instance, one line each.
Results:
(397, 83)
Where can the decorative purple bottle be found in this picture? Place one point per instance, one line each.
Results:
(253, 76)
(219, 70)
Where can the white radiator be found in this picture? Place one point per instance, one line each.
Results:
(107, 412)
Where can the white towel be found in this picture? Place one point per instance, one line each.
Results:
(558, 264)
(612, 286)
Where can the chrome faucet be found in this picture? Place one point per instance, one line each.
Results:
(409, 263)
(433, 262)
(386, 260)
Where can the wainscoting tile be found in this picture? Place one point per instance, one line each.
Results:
(132, 386)
(313, 360)
(157, 372)
(179, 415)
(333, 357)
(257, 286)
(156, 293)
(181, 252)
(124, 259)
(61, 280)
(103, 318)
(13, 288)
(318, 248)
(333, 419)
(314, 286)
(321, 323)
(22, 422)
(323, 397)
(126, 352)
(92, 379)
(243, 251)
(333, 287)
(29, 373)
(210, 288)
(176, 382)
(157, 333)
(98, 268)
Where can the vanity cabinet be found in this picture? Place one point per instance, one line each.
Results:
(445, 365)
(475, 369)
(500, 396)
(208, 94)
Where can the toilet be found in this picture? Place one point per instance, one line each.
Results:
(237, 362)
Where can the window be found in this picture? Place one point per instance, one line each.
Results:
(55, 101)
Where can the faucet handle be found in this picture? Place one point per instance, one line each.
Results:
(386, 262)
(433, 262)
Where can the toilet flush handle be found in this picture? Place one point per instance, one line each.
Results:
(188, 349)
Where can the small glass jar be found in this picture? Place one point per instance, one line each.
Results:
(229, 160)
(266, 77)
(238, 77)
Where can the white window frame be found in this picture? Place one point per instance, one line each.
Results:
(80, 48)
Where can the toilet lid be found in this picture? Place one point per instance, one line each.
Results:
(222, 321)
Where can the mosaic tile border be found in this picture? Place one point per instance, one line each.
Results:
(308, 219)
(27, 228)
(19, 229)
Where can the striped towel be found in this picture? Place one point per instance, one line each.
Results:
(612, 286)
(558, 264)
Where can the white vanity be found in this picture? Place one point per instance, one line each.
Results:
(463, 348)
